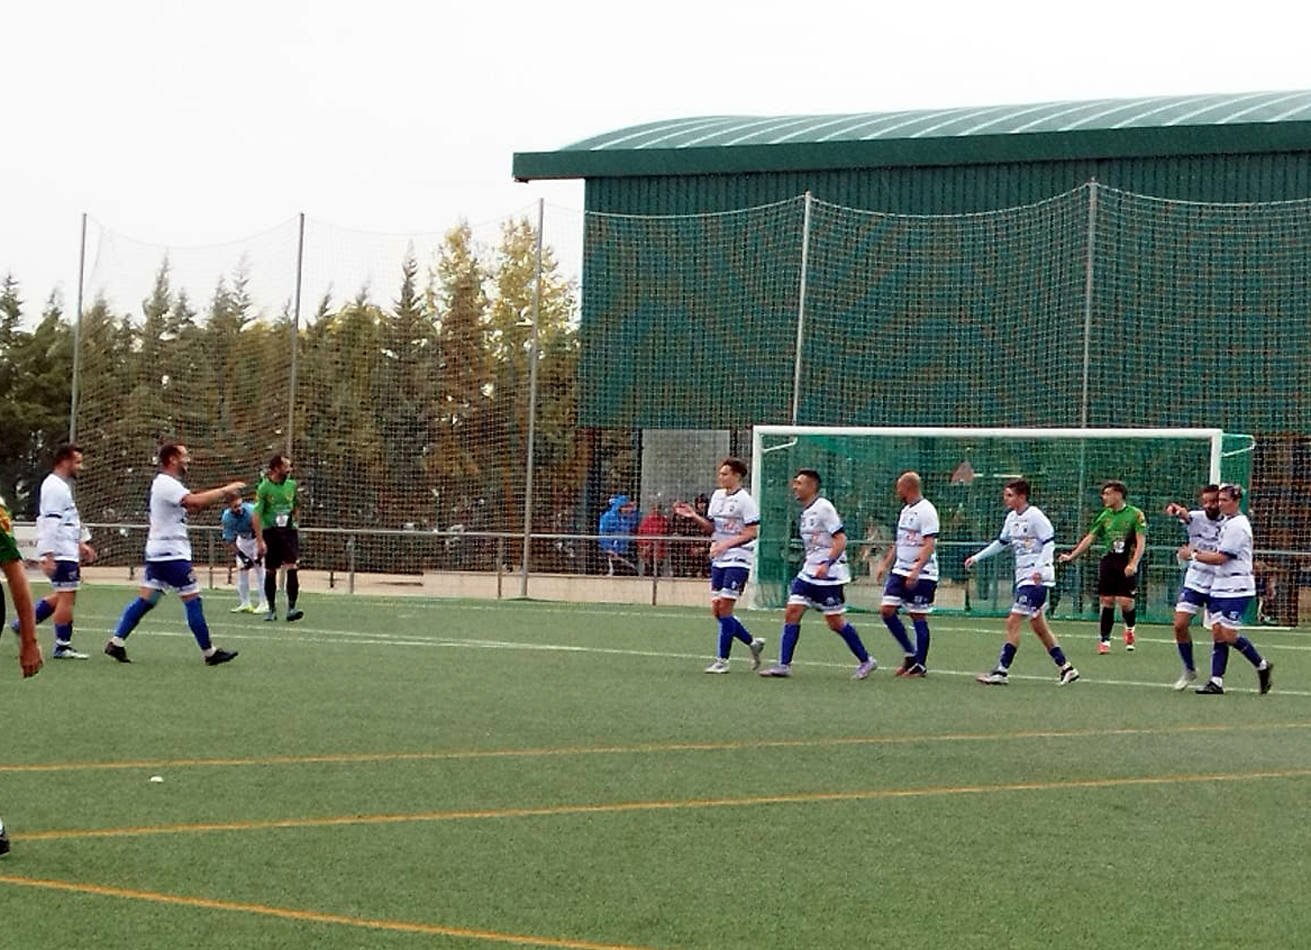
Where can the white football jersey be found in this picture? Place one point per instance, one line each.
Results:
(916, 523)
(1234, 577)
(167, 540)
(730, 514)
(819, 522)
(58, 525)
(1033, 542)
(1204, 535)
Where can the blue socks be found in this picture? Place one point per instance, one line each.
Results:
(791, 633)
(852, 639)
(921, 640)
(63, 634)
(196, 621)
(1058, 656)
(1219, 659)
(898, 631)
(1244, 646)
(132, 615)
(43, 609)
(731, 628)
(1186, 654)
(1007, 655)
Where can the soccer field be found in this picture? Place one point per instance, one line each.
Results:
(401, 773)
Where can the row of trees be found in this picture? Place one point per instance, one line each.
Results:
(409, 413)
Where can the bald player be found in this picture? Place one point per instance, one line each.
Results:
(913, 582)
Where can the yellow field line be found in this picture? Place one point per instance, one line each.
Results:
(346, 758)
(669, 805)
(310, 916)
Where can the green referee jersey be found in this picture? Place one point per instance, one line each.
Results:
(275, 502)
(1118, 530)
(8, 546)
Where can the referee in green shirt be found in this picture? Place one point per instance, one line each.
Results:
(276, 537)
(1122, 528)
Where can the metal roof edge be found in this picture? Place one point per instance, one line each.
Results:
(937, 151)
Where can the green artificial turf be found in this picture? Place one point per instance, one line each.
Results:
(395, 772)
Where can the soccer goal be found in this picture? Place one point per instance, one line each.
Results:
(963, 472)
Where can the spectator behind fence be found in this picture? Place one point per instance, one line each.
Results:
(621, 519)
(653, 553)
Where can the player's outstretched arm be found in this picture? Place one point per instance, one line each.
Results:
(1078, 549)
(194, 501)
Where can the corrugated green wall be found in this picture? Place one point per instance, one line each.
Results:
(958, 189)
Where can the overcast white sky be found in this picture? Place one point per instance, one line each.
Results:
(187, 123)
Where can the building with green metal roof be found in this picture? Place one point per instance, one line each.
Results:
(1223, 148)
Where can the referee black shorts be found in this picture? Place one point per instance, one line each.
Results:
(1111, 579)
(283, 547)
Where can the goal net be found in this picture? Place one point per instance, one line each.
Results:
(963, 472)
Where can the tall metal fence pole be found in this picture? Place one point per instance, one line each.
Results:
(1089, 273)
(801, 308)
(532, 404)
(77, 336)
(295, 334)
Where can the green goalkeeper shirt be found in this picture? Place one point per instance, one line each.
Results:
(8, 546)
(1119, 529)
(275, 503)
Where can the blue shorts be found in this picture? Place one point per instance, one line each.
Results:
(171, 575)
(828, 599)
(1229, 611)
(918, 599)
(1191, 601)
(67, 575)
(1030, 600)
(727, 582)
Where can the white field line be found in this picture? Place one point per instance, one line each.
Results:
(298, 634)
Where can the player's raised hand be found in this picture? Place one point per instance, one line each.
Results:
(684, 509)
(235, 487)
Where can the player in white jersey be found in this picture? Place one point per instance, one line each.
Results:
(61, 544)
(821, 579)
(1030, 536)
(913, 582)
(1232, 589)
(1203, 526)
(733, 520)
(168, 555)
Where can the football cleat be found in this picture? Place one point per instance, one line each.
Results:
(866, 668)
(1186, 678)
(117, 652)
(4, 839)
(1209, 688)
(271, 615)
(906, 664)
(294, 614)
(995, 678)
(778, 670)
(240, 609)
(757, 647)
(915, 671)
(1103, 647)
(1128, 639)
(66, 652)
(1068, 675)
(719, 666)
(220, 656)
